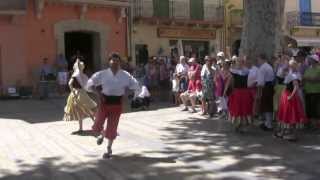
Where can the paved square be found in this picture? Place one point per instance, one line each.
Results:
(163, 144)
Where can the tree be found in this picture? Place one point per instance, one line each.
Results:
(262, 28)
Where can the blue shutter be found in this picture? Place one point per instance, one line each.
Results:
(306, 14)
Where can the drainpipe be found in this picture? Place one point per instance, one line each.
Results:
(129, 31)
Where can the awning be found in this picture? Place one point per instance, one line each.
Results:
(13, 7)
(307, 41)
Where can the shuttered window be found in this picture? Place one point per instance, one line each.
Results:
(161, 8)
(305, 10)
(196, 9)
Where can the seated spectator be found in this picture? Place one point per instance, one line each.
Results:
(193, 92)
(141, 99)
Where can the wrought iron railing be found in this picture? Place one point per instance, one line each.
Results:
(303, 19)
(180, 10)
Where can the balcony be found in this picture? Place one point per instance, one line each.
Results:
(302, 19)
(178, 12)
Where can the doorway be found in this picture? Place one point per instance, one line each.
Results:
(236, 47)
(81, 44)
(198, 49)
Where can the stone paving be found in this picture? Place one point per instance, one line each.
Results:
(160, 144)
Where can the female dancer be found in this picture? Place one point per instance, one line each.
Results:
(291, 114)
(240, 101)
(79, 104)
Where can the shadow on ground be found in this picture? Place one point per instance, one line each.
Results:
(50, 110)
(196, 149)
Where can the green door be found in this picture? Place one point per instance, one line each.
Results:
(161, 8)
(196, 9)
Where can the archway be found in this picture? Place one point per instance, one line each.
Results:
(96, 32)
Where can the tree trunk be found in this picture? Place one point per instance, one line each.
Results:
(262, 28)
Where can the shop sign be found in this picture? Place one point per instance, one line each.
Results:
(186, 33)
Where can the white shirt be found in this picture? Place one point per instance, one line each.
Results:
(205, 70)
(253, 76)
(144, 92)
(265, 74)
(182, 69)
(241, 72)
(113, 85)
(175, 85)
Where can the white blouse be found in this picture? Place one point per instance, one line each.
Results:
(265, 74)
(253, 76)
(182, 69)
(292, 76)
(113, 84)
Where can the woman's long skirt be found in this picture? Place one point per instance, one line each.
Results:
(79, 106)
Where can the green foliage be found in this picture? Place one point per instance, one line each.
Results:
(294, 30)
(230, 6)
(237, 12)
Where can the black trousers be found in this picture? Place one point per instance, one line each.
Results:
(313, 105)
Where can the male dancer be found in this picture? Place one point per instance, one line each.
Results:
(110, 84)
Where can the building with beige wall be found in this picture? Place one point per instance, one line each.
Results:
(176, 27)
(301, 23)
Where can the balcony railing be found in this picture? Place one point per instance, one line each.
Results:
(179, 10)
(303, 19)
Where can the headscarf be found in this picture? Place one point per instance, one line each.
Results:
(78, 68)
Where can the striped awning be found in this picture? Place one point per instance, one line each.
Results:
(6, 5)
(307, 41)
(13, 6)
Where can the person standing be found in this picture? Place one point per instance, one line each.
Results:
(62, 73)
(291, 115)
(240, 103)
(222, 79)
(144, 55)
(281, 69)
(208, 98)
(312, 89)
(128, 66)
(194, 71)
(265, 92)
(181, 71)
(79, 104)
(152, 73)
(110, 84)
(46, 75)
(252, 84)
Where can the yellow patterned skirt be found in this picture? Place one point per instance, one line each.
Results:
(277, 94)
(79, 106)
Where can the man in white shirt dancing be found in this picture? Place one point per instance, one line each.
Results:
(110, 84)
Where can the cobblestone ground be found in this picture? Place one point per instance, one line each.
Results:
(161, 144)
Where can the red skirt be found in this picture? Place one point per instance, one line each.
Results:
(291, 111)
(240, 103)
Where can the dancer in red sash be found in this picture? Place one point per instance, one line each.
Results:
(110, 84)
(291, 114)
(240, 100)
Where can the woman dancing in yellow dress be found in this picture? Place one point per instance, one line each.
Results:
(79, 104)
